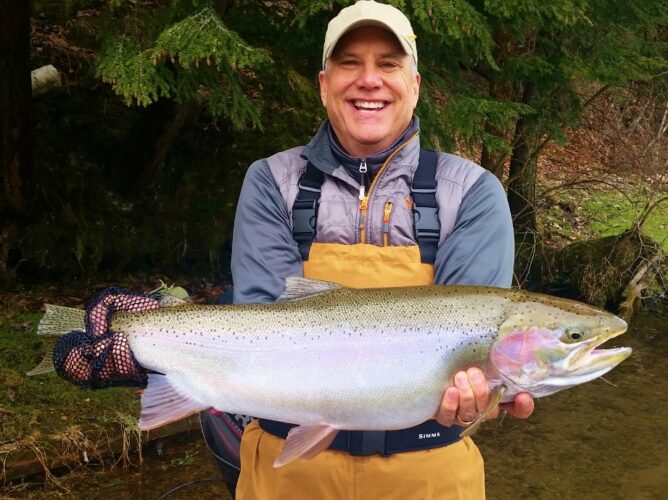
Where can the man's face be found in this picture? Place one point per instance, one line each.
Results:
(369, 90)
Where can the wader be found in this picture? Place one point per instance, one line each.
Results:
(425, 462)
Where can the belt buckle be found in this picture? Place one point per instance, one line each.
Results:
(367, 443)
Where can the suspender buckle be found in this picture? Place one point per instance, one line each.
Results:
(304, 220)
(426, 223)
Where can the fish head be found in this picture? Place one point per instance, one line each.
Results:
(547, 344)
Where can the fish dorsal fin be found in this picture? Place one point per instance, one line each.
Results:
(303, 288)
(162, 403)
(306, 443)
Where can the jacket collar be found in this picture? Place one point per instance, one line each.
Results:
(325, 152)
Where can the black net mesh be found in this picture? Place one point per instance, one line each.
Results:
(99, 362)
(98, 357)
(111, 300)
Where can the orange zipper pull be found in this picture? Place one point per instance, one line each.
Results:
(363, 204)
(386, 222)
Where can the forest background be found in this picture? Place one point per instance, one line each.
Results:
(134, 163)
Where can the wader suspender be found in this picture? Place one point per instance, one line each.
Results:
(305, 209)
(426, 227)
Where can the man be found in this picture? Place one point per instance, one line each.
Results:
(366, 154)
(356, 207)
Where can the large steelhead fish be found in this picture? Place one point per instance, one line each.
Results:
(328, 357)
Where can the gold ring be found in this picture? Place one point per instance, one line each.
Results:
(465, 422)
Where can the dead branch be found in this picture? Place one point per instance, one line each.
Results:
(633, 291)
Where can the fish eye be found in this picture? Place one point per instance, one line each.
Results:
(574, 334)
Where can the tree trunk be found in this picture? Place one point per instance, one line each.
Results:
(15, 105)
(498, 90)
(522, 178)
(493, 160)
(164, 145)
(15, 124)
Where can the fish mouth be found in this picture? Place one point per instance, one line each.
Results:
(587, 358)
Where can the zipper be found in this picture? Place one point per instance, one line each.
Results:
(363, 171)
(364, 197)
(386, 222)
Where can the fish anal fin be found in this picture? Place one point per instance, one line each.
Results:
(305, 443)
(162, 403)
(495, 398)
(302, 288)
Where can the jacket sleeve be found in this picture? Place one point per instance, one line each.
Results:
(480, 250)
(263, 250)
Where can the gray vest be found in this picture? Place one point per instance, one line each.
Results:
(339, 208)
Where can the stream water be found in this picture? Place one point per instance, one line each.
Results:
(596, 441)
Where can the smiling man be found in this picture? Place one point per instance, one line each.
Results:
(364, 206)
(370, 88)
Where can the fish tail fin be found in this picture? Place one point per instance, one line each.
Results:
(57, 321)
(60, 320)
(44, 366)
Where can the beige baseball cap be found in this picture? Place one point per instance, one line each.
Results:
(370, 13)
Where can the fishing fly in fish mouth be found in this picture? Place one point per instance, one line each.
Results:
(307, 359)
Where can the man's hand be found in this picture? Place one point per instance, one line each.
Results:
(469, 395)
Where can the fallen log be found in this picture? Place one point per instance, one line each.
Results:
(44, 79)
(33, 459)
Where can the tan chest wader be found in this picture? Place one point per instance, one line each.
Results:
(426, 462)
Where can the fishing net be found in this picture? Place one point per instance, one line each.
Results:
(95, 363)
(111, 300)
(100, 358)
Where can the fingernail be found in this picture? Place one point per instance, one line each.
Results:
(476, 376)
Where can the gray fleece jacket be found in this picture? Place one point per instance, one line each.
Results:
(476, 246)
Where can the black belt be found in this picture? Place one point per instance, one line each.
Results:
(427, 435)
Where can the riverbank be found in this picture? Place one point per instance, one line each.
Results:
(47, 424)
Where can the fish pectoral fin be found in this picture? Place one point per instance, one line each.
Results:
(302, 288)
(305, 443)
(495, 398)
(162, 403)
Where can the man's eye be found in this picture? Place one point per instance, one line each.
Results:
(348, 62)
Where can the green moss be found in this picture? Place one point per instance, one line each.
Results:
(45, 406)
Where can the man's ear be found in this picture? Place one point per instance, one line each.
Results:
(416, 87)
(322, 78)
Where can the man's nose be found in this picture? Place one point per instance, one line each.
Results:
(369, 77)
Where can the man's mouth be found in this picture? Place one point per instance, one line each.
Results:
(369, 105)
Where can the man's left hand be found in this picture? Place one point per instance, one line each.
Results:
(469, 396)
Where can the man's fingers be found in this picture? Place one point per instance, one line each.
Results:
(521, 407)
(480, 388)
(447, 413)
(467, 406)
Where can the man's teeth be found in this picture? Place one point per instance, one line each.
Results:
(369, 104)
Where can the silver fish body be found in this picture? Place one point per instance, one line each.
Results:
(353, 359)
